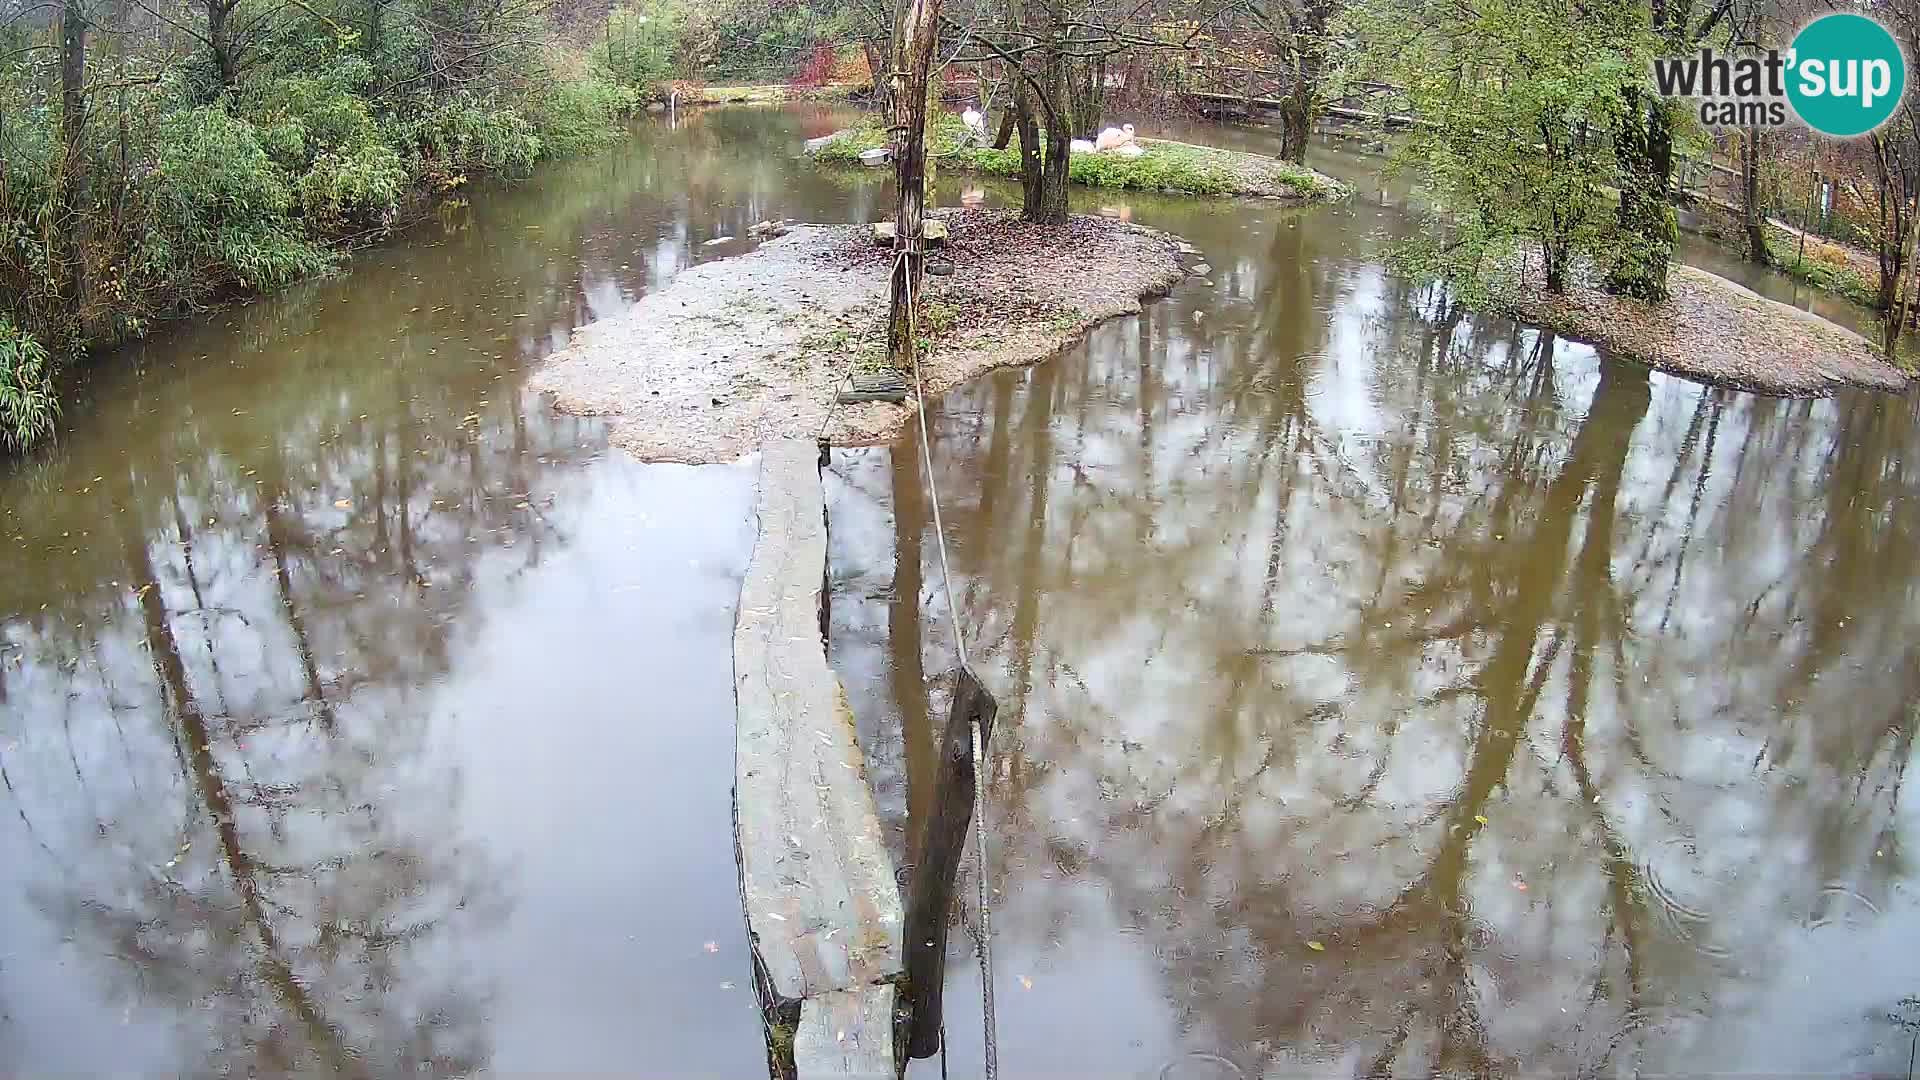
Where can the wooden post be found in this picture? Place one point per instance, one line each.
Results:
(912, 63)
(942, 838)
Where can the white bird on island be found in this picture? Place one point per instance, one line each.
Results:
(1080, 146)
(976, 122)
(1114, 138)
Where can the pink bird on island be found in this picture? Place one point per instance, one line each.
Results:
(1114, 138)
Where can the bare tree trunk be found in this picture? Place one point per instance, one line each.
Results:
(1753, 219)
(220, 43)
(376, 12)
(1031, 179)
(73, 166)
(1087, 98)
(877, 68)
(1897, 307)
(1895, 211)
(1052, 208)
(912, 62)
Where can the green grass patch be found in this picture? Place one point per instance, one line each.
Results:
(1190, 170)
(1827, 275)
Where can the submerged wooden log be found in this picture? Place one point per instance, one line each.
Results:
(942, 838)
(822, 905)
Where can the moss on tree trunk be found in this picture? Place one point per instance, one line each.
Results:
(1644, 147)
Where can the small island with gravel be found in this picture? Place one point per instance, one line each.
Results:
(1161, 165)
(1714, 331)
(759, 346)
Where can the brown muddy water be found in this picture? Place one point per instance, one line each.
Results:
(1382, 688)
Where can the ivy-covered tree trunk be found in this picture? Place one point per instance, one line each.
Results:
(1296, 122)
(1305, 38)
(1644, 148)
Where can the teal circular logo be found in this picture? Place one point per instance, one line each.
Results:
(1845, 75)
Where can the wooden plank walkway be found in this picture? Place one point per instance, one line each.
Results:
(823, 908)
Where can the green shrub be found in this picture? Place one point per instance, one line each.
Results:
(581, 114)
(1827, 275)
(1159, 169)
(321, 131)
(363, 185)
(465, 134)
(27, 403)
(752, 42)
(219, 212)
(642, 44)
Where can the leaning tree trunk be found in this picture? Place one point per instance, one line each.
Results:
(1008, 121)
(1753, 219)
(912, 61)
(1644, 149)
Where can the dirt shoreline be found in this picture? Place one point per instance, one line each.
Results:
(754, 347)
(1719, 332)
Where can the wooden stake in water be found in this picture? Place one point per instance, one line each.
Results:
(941, 840)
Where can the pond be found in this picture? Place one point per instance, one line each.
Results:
(1382, 687)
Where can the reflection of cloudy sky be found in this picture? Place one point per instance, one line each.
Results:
(1261, 690)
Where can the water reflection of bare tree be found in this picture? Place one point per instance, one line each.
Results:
(1531, 689)
(238, 813)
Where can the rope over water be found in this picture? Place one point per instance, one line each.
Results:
(983, 940)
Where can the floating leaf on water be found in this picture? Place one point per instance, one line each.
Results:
(1026, 983)
(343, 504)
(1481, 818)
(726, 984)
(1316, 946)
(1521, 885)
(712, 946)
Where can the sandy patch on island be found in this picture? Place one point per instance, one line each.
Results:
(740, 350)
